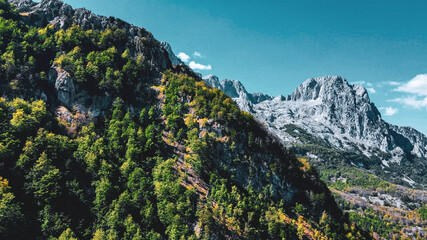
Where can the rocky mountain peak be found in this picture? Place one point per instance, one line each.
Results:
(237, 91)
(328, 88)
(212, 81)
(338, 101)
(233, 88)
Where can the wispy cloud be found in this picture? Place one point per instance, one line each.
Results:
(359, 83)
(371, 90)
(417, 85)
(197, 66)
(411, 101)
(183, 56)
(416, 89)
(389, 111)
(393, 83)
(388, 83)
(197, 54)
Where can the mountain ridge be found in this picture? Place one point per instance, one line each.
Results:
(314, 89)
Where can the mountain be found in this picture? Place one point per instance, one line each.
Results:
(364, 160)
(103, 137)
(235, 90)
(340, 115)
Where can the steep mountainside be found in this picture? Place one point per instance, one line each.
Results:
(101, 137)
(174, 59)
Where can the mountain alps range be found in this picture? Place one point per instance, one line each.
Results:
(106, 134)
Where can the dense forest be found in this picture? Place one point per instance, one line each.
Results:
(168, 158)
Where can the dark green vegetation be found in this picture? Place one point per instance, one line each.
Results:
(423, 212)
(170, 159)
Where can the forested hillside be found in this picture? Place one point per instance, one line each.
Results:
(102, 137)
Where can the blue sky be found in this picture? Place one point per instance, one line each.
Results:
(273, 46)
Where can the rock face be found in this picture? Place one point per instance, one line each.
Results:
(71, 96)
(173, 58)
(63, 84)
(332, 109)
(237, 91)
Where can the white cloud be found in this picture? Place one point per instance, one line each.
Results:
(184, 57)
(411, 101)
(197, 54)
(198, 66)
(371, 90)
(388, 83)
(193, 65)
(393, 83)
(389, 111)
(417, 85)
(359, 82)
(369, 84)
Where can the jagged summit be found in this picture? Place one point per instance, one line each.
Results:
(212, 81)
(237, 91)
(338, 101)
(62, 15)
(327, 88)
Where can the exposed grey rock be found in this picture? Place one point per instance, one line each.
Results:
(63, 84)
(23, 5)
(70, 95)
(237, 91)
(174, 59)
(43, 97)
(212, 81)
(260, 97)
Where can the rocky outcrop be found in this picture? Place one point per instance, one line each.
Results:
(67, 93)
(173, 58)
(63, 85)
(237, 91)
